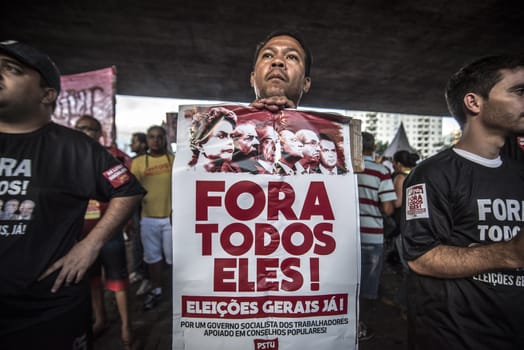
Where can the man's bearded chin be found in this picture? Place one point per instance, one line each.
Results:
(273, 91)
(13, 118)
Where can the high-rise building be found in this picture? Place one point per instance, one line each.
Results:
(424, 132)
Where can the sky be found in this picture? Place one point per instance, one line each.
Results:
(139, 113)
(135, 114)
(448, 125)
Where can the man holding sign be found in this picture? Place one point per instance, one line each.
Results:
(263, 260)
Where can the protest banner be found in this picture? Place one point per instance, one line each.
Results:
(266, 243)
(171, 124)
(90, 93)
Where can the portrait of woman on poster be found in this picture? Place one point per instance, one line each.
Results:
(211, 141)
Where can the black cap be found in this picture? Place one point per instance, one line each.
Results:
(35, 59)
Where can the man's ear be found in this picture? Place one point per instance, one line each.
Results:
(252, 79)
(307, 84)
(473, 102)
(50, 96)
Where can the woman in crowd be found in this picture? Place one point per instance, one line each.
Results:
(211, 141)
(403, 163)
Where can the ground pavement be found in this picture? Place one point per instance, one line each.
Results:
(153, 329)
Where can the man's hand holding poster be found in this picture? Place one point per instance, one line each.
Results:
(266, 243)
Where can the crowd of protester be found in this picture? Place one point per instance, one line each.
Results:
(463, 286)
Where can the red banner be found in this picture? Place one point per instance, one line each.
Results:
(90, 93)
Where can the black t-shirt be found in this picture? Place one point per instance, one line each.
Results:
(451, 200)
(46, 180)
(513, 148)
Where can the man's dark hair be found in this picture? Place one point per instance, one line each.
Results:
(477, 77)
(406, 158)
(326, 137)
(295, 35)
(142, 137)
(90, 117)
(368, 142)
(164, 135)
(158, 127)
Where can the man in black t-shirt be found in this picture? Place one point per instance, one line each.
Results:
(44, 300)
(462, 216)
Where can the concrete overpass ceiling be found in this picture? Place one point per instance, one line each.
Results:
(388, 56)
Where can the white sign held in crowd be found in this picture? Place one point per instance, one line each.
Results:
(266, 242)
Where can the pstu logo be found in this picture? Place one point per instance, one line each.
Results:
(266, 344)
(416, 202)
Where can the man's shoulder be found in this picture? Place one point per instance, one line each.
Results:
(440, 162)
(139, 159)
(283, 169)
(373, 168)
(440, 169)
(50, 130)
(70, 140)
(62, 132)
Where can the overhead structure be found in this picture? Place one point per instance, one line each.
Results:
(374, 55)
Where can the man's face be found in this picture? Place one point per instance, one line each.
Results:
(268, 144)
(136, 145)
(311, 146)
(290, 144)
(280, 70)
(246, 138)
(156, 141)
(20, 91)
(89, 127)
(328, 154)
(11, 206)
(26, 208)
(504, 110)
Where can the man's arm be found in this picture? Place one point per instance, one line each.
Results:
(387, 208)
(445, 261)
(76, 262)
(398, 183)
(273, 104)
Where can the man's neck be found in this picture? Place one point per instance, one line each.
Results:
(23, 128)
(308, 162)
(325, 169)
(288, 160)
(156, 153)
(268, 166)
(478, 140)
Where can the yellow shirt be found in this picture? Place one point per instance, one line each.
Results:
(154, 173)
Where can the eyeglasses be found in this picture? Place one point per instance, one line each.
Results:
(87, 128)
